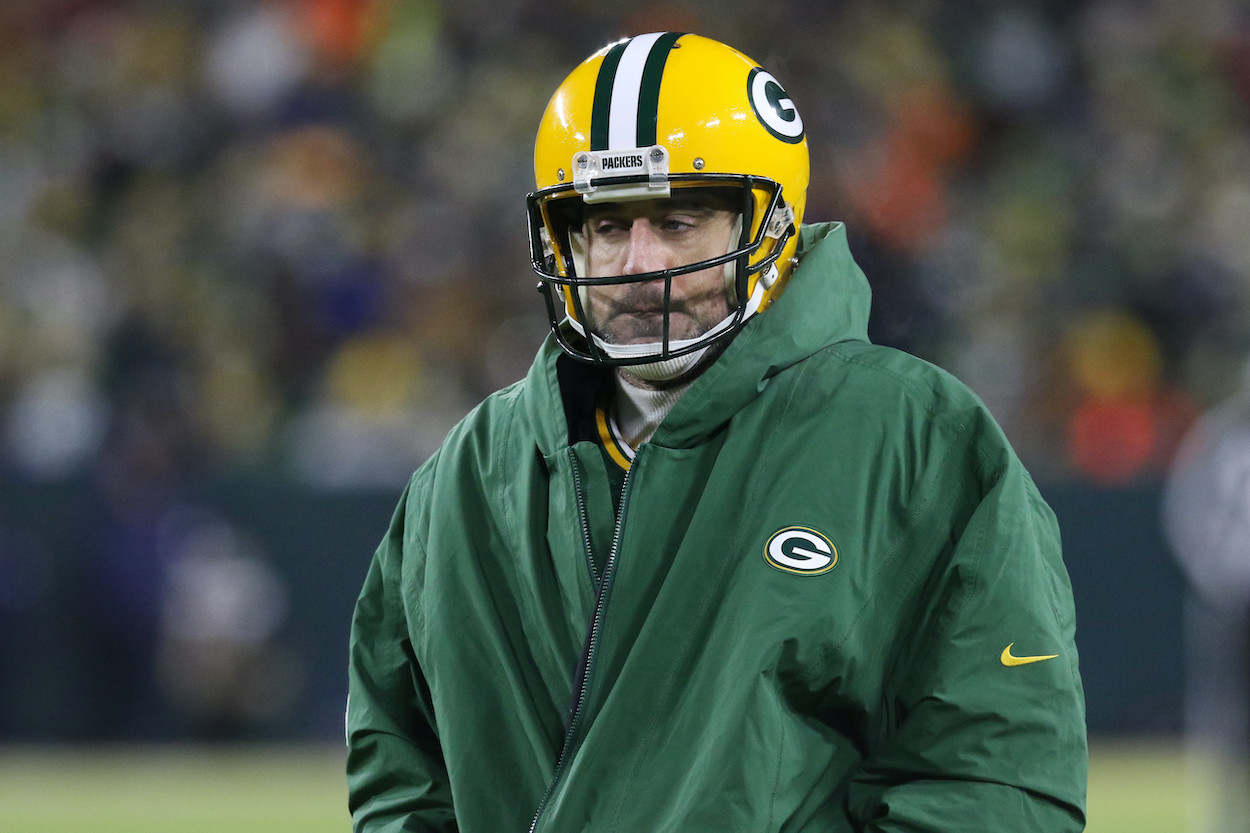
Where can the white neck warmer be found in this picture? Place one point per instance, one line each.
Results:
(639, 411)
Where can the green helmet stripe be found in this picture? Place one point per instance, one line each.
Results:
(600, 109)
(649, 89)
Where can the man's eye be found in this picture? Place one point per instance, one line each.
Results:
(602, 227)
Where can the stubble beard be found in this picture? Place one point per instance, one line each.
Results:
(636, 315)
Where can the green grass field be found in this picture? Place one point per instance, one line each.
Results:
(173, 790)
(1135, 787)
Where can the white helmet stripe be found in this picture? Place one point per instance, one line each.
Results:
(623, 112)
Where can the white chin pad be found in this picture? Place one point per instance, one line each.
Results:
(667, 370)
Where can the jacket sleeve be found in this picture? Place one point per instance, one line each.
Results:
(396, 776)
(980, 741)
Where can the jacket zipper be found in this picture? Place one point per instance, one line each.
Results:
(596, 622)
(585, 521)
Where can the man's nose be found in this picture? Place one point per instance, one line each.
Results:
(646, 251)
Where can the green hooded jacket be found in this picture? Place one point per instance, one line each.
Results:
(831, 599)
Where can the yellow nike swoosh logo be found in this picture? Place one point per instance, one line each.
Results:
(1010, 661)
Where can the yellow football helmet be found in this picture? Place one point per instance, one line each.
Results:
(637, 120)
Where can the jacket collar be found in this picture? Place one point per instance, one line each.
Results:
(826, 301)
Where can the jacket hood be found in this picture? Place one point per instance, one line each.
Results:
(826, 301)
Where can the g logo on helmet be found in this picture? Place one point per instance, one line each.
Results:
(773, 107)
(799, 549)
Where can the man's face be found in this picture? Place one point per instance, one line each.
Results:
(631, 238)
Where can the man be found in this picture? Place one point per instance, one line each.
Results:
(718, 563)
(1206, 516)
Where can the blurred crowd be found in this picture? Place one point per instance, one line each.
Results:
(285, 239)
(286, 236)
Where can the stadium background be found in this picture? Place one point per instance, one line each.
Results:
(257, 256)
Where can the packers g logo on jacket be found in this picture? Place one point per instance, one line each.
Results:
(639, 119)
(801, 549)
